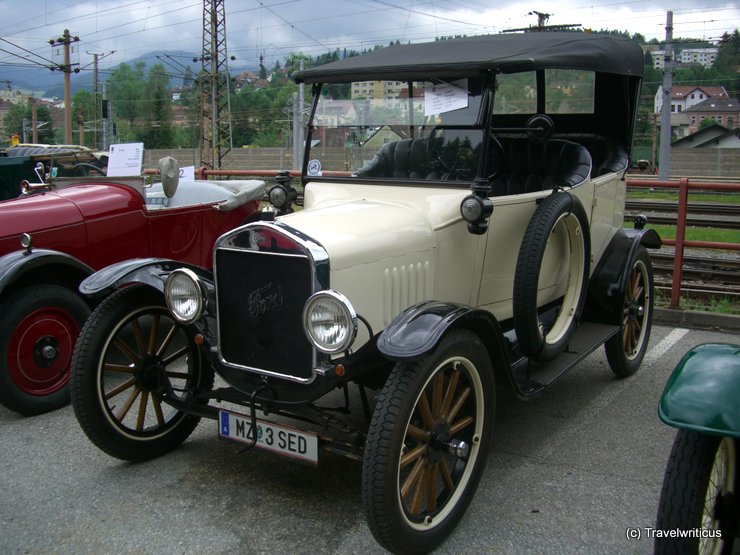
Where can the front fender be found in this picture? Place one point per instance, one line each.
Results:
(703, 392)
(151, 271)
(418, 329)
(15, 265)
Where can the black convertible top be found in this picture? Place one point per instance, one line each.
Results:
(508, 53)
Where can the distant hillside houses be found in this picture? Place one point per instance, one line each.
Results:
(724, 111)
(685, 96)
(377, 89)
(688, 56)
(690, 105)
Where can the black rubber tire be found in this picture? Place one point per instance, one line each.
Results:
(33, 319)
(558, 209)
(687, 488)
(123, 337)
(625, 351)
(415, 521)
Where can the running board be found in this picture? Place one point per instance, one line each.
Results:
(532, 377)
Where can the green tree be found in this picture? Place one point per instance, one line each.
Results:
(126, 87)
(83, 110)
(293, 61)
(251, 116)
(154, 128)
(188, 78)
(14, 120)
(728, 59)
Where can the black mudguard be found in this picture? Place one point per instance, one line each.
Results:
(418, 329)
(150, 271)
(14, 266)
(609, 280)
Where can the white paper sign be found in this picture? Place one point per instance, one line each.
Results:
(445, 98)
(187, 173)
(125, 159)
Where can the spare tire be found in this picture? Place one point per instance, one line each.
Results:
(558, 235)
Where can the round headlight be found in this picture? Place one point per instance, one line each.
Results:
(185, 295)
(330, 322)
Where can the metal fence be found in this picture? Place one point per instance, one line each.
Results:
(680, 243)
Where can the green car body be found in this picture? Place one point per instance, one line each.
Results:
(703, 393)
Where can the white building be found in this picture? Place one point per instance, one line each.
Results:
(703, 56)
(377, 89)
(686, 96)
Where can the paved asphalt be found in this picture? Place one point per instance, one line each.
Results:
(570, 472)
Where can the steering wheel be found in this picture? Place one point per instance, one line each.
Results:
(497, 157)
(540, 128)
(83, 168)
(436, 154)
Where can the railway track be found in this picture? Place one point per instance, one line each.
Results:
(703, 276)
(700, 214)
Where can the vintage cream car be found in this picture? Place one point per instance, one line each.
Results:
(461, 233)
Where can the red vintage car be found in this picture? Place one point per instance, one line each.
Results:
(58, 233)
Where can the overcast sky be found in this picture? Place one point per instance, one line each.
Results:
(274, 28)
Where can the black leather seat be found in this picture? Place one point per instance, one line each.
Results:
(530, 166)
(404, 159)
(608, 155)
(567, 164)
(381, 164)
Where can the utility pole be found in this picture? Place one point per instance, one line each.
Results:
(107, 131)
(34, 121)
(664, 168)
(97, 101)
(214, 80)
(541, 18)
(298, 136)
(81, 127)
(654, 137)
(64, 42)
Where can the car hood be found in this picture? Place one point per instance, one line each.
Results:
(356, 227)
(37, 213)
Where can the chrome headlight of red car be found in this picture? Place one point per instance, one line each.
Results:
(330, 321)
(185, 295)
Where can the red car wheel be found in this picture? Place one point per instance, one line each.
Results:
(42, 325)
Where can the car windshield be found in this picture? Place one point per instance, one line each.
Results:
(430, 130)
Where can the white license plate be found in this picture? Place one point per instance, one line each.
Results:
(273, 437)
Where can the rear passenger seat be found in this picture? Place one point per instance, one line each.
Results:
(608, 155)
(530, 166)
(565, 161)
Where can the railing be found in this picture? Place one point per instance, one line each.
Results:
(680, 243)
(204, 173)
